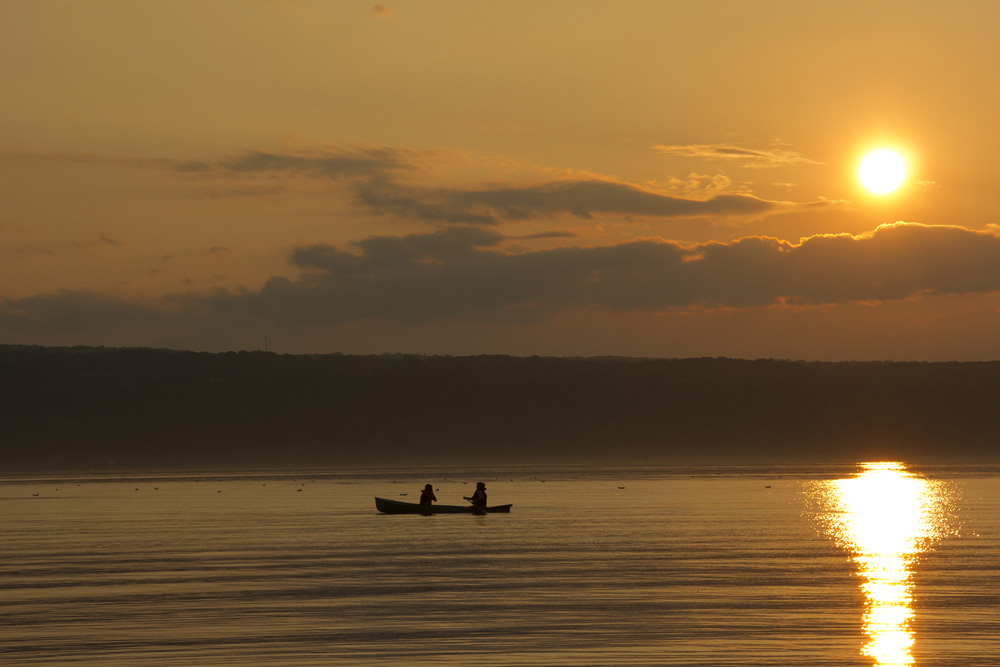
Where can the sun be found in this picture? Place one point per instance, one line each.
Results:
(882, 171)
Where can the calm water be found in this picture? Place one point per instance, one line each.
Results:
(875, 565)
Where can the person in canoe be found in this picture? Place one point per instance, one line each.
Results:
(427, 495)
(478, 498)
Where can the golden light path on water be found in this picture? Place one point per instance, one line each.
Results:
(885, 517)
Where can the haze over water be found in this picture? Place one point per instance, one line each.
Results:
(856, 565)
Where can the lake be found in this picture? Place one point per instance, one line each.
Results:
(875, 564)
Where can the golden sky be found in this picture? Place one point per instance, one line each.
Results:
(561, 178)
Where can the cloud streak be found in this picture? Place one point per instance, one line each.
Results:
(364, 161)
(580, 198)
(751, 157)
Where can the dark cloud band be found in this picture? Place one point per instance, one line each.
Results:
(465, 273)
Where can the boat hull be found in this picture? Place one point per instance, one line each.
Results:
(395, 507)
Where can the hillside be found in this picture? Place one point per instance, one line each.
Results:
(98, 408)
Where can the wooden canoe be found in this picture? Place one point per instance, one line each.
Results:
(396, 507)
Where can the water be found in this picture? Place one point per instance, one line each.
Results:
(682, 566)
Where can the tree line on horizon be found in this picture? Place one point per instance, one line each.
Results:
(138, 408)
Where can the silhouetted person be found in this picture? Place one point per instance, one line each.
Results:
(478, 498)
(427, 495)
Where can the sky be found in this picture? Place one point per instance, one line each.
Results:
(569, 178)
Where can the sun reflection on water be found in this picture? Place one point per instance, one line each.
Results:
(885, 517)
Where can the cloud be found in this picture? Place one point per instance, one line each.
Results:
(332, 162)
(69, 310)
(581, 198)
(697, 185)
(403, 183)
(381, 11)
(385, 196)
(73, 317)
(467, 273)
(462, 272)
(554, 234)
(751, 157)
(376, 177)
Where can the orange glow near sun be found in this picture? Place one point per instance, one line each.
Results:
(882, 171)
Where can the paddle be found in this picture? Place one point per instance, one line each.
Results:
(476, 509)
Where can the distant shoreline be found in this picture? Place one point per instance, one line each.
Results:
(108, 409)
(452, 475)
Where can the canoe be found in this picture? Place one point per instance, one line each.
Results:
(396, 507)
